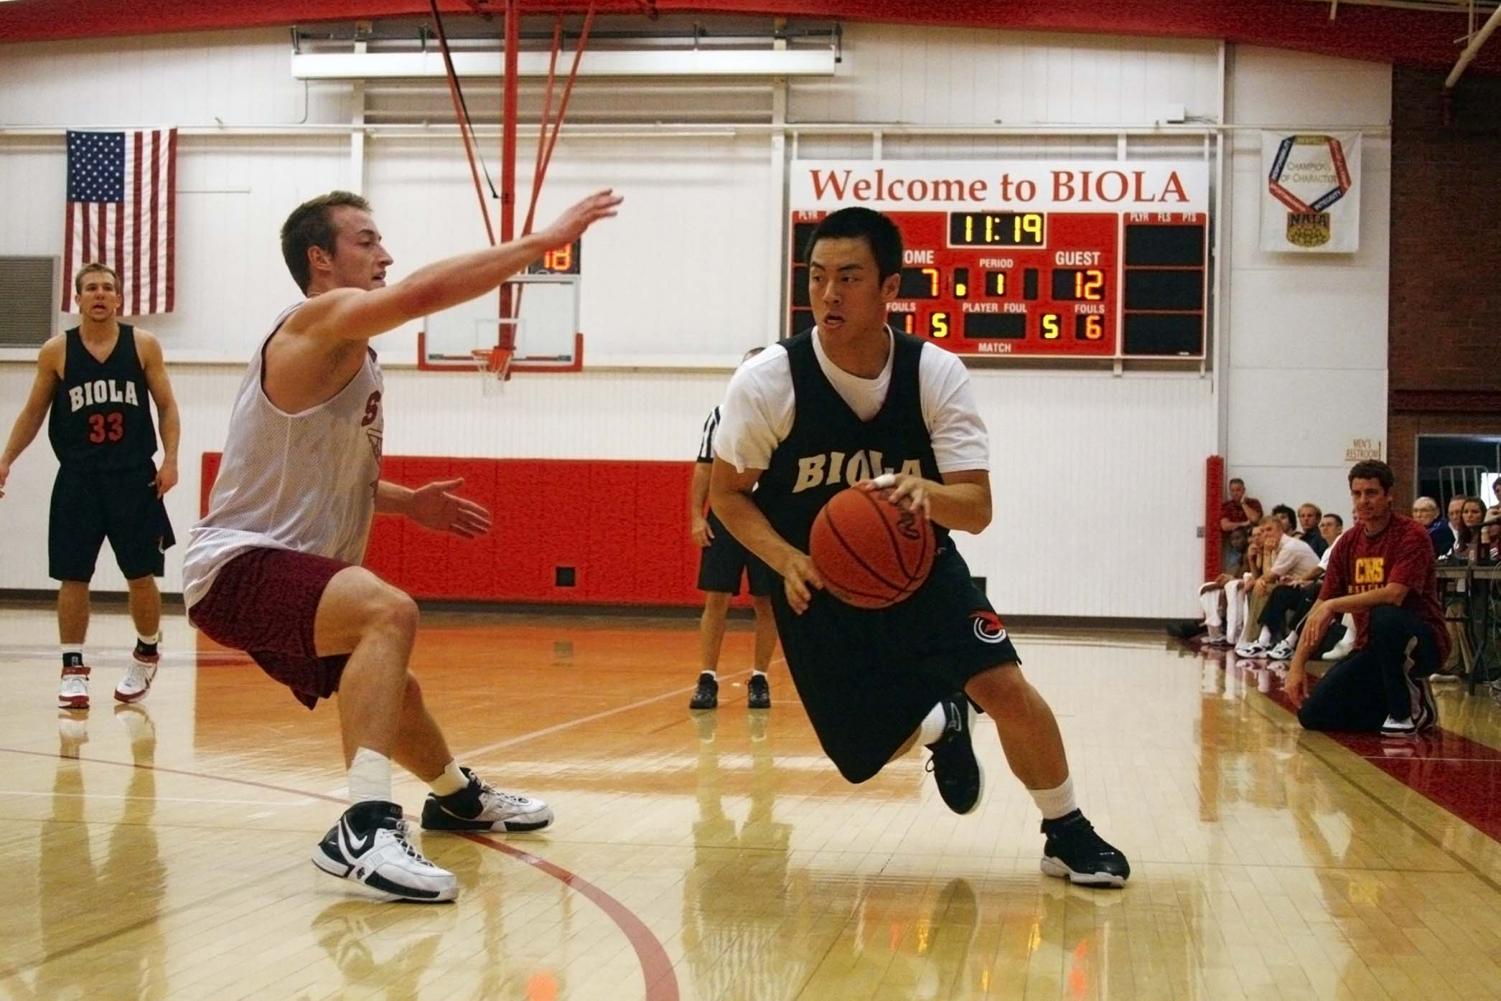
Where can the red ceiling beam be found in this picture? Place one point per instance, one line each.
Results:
(1384, 34)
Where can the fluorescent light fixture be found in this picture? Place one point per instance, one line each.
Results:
(601, 63)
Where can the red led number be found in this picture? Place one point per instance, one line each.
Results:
(106, 427)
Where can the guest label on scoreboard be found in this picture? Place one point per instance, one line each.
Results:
(1031, 258)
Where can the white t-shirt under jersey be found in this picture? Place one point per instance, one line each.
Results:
(758, 408)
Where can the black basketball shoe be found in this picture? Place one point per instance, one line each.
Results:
(481, 807)
(1073, 851)
(953, 764)
(758, 692)
(369, 845)
(706, 695)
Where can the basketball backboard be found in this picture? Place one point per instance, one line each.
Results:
(542, 310)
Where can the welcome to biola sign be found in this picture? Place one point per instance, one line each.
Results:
(1028, 185)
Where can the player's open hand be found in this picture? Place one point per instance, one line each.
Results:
(701, 532)
(908, 492)
(166, 478)
(1297, 685)
(4, 475)
(571, 224)
(799, 577)
(435, 507)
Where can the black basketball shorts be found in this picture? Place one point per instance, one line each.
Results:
(868, 677)
(120, 505)
(722, 561)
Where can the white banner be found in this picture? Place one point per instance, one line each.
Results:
(1311, 204)
(1027, 185)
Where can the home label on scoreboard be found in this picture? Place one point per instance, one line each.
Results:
(1028, 258)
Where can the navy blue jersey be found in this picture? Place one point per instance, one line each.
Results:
(101, 411)
(830, 447)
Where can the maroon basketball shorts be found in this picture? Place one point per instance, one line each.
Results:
(265, 602)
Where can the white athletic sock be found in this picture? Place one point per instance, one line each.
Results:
(150, 640)
(1235, 609)
(710, 672)
(450, 781)
(756, 671)
(1055, 803)
(932, 725)
(1265, 639)
(369, 777)
(1210, 601)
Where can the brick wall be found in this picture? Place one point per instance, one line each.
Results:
(1445, 320)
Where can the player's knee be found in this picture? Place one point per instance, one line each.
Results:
(998, 689)
(412, 697)
(393, 610)
(717, 602)
(761, 604)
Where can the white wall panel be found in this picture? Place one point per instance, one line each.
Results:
(682, 275)
(1097, 485)
(232, 78)
(943, 76)
(1307, 333)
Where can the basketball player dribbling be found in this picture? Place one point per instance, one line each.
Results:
(96, 379)
(273, 569)
(869, 677)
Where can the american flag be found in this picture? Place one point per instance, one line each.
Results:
(122, 210)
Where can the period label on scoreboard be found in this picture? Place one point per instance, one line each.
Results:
(1032, 258)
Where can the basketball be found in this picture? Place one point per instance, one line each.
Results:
(872, 553)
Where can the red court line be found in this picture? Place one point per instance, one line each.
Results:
(656, 968)
(1452, 771)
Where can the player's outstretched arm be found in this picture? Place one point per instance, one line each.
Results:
(730, 499)
(34, 411)
(357, 315)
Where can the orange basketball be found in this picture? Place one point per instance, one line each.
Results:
(872, 553)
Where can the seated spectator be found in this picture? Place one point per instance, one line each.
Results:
(1467, 538)
(1235, 588)
(1212, 596)
(1456, 515)
(1283, 559)
(1239, 511)
(1382, 572)
(1298, 599)
(1308, 527)
(1289, 519)
(1425, 513)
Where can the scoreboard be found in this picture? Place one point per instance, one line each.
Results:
(1028, 258)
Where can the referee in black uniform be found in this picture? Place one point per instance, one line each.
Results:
(95, 380)
(722, 562)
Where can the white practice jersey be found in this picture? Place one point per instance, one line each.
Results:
(304, 481)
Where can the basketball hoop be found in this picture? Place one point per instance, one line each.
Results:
(494, 367)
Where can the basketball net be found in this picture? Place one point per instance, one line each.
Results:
(494, 367)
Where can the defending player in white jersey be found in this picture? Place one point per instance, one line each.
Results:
(273, 569)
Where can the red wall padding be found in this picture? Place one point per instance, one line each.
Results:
(621, 526)
(1214, 475)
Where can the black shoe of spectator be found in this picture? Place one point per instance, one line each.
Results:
(1187, 629)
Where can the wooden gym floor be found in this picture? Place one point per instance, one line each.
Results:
(162, 852)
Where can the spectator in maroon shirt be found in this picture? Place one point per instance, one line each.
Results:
(1382, 573)
(1239, 511)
